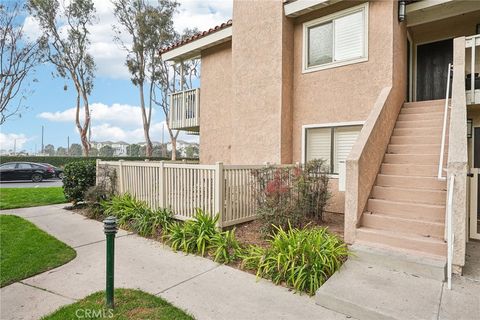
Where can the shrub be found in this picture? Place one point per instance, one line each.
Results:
(301, 258)
(201, 236)
(291, 195)
(148, 223)
(126, 209)
(78, 178)
(193, 236)
(224, 247)
(104, 190)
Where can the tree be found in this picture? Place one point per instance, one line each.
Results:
(133, 150)
(150, 27)
(106, 151)
(75, 150)
(65, 30)
(61, 151)
(93, 152)
(191, 151)
(49, 149)
(19, 57)
(166, 83)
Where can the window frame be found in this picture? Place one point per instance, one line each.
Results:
(330, 18)
(332, 127)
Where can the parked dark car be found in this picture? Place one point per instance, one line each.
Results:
(25, 171)
(58, 171)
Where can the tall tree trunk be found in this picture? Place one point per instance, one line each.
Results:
(146, 123)
(173, 140)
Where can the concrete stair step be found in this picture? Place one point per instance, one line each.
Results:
(397, 224)
(409, 170)
(411, 140)
(411, 194)
(432, 131)
(403, 181)
(421, 116)
(414, 148)
(425, 159)
(423, 109)
(401, 260)
(408, 210)
(368, 290)
(427, 103)
(408, 241)
(418, 123)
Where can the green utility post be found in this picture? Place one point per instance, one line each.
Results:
(110, 229)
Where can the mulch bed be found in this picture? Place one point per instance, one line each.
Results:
(251, 232)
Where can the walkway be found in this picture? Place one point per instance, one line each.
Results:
(198, 285)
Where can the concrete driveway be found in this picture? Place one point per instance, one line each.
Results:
(30, 184)
(203, 288)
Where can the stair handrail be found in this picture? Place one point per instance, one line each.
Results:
(444, 129)
(449, 236)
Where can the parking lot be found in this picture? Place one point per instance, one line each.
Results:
(30, 184)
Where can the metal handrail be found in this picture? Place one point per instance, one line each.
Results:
(450, 237)
(444, 129)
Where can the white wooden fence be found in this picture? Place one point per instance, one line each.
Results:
(224, 189)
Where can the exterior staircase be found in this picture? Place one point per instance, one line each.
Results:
(406, 208)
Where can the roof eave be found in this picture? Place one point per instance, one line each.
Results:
(193, 49)
(301, 7)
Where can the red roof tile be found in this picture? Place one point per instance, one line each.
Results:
(196, 36)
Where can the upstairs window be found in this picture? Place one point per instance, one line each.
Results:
(336, 40)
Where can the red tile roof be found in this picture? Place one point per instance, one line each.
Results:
(196, 36)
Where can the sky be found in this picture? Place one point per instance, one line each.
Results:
(114, 100)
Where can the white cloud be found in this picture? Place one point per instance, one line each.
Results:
(117, 122)
(9, 141)
(118, 114)
(110, 57)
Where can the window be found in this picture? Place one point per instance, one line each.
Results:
(24, 166)
(8, 166)
(336, 39)
(332, 144)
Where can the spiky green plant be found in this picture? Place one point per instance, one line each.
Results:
(224, 247)
(301, 258)
(193, 236)
(126, 209)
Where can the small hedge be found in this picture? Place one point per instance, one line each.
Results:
(78, 177)
(62, 161)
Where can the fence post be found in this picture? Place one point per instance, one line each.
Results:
(161, 188)
(120, 175)
(96, 171)
(219, 192)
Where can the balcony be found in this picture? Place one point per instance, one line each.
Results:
(472, 60)
(185, 110)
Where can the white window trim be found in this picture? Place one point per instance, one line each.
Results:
(305, 69)
(325, 125)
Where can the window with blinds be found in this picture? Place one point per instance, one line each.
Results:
(336, 39)
(332, 144)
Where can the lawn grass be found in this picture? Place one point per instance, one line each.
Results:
(11, 198)
(26, 250)
(129, 305)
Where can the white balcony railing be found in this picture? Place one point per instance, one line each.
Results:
(472, 83)
(185, 110)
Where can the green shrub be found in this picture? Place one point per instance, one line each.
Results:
(193, 236)
(301, 258)
(224, 247)
(77, 179)
(291, 195)
(126, 209)
(61, 161)
(148, 223)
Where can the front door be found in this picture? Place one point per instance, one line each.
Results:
(432, 69)
(475, 187)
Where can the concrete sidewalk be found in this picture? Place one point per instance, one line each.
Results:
(203, 288)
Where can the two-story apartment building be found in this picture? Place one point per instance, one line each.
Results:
(363, 85)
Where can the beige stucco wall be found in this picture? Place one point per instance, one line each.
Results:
(260, 106)
(216, 105)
